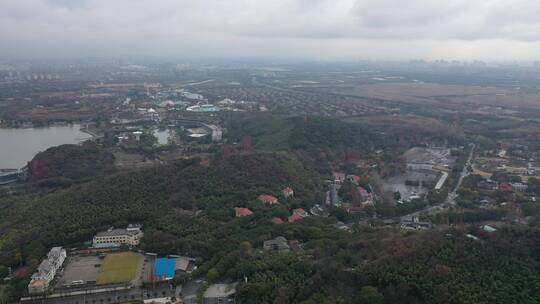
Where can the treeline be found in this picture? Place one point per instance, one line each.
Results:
(385, 266)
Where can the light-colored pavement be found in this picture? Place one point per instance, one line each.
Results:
(450, 200)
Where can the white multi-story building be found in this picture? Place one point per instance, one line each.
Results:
(130, 236)
(47, 270)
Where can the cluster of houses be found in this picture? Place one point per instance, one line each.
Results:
(513, 187)
(47, 270)
(361, 197)
(267, 199)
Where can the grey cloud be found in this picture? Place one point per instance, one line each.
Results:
(286, 27)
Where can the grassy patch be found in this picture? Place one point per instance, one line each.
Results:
(119, 268)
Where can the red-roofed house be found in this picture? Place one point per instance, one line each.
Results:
(297, 214)
(287, 192)
(300, 212)
(363, 193)
(506, 188)
(277, 221)
(339, 177)
(241, 212)
(268, 199)
(353, 178)
(294, 217)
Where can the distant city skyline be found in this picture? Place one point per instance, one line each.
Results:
(505, 30)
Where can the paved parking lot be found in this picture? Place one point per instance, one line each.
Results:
(85, 268)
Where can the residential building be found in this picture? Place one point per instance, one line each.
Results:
(364, 194)
(278, 244)
(488, 185)
(130, 236)
(277, 221)
(355, 179)
(297, 215)
(294, 217)
(301, 212)
(287, 192)
(268, 199)
(488, 228)
(241, 212)
(519, 187)
(506, 188)
(318, 210)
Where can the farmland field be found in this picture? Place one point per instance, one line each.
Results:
(119, 268)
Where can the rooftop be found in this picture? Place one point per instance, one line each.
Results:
(165, 267)
(268, 199)
(117, 232)
(239, 212)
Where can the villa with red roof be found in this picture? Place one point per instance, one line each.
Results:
(363, 193)
(287, 192)
(277, 221)
(241, 212)
(268, 199)
(353, 178)
(301, 212)
(506, 188)
(297, 214)
(294, 217)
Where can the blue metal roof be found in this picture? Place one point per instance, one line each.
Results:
(165, 267)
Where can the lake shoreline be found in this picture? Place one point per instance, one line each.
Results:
(20, 145)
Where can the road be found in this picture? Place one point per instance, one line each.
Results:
(450, 200)
(108, 296)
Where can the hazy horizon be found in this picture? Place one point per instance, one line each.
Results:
(296, 29)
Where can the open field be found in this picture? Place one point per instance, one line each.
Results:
(451, 96)
(119, 268)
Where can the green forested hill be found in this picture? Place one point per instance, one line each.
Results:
(151, 197)
(67, 164)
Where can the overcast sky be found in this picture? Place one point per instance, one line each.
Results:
(310, 29)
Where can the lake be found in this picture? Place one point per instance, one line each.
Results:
(18, 146)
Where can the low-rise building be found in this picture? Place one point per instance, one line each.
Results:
(297, 215)
(241, 212)
(339, 177)
(355, 179)
(506, 188)
(278, 244)
(130, 236)
(268, 199)
(519, 187)
(488, 228)
(277, 221)
(318, 210)
(287, 192)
